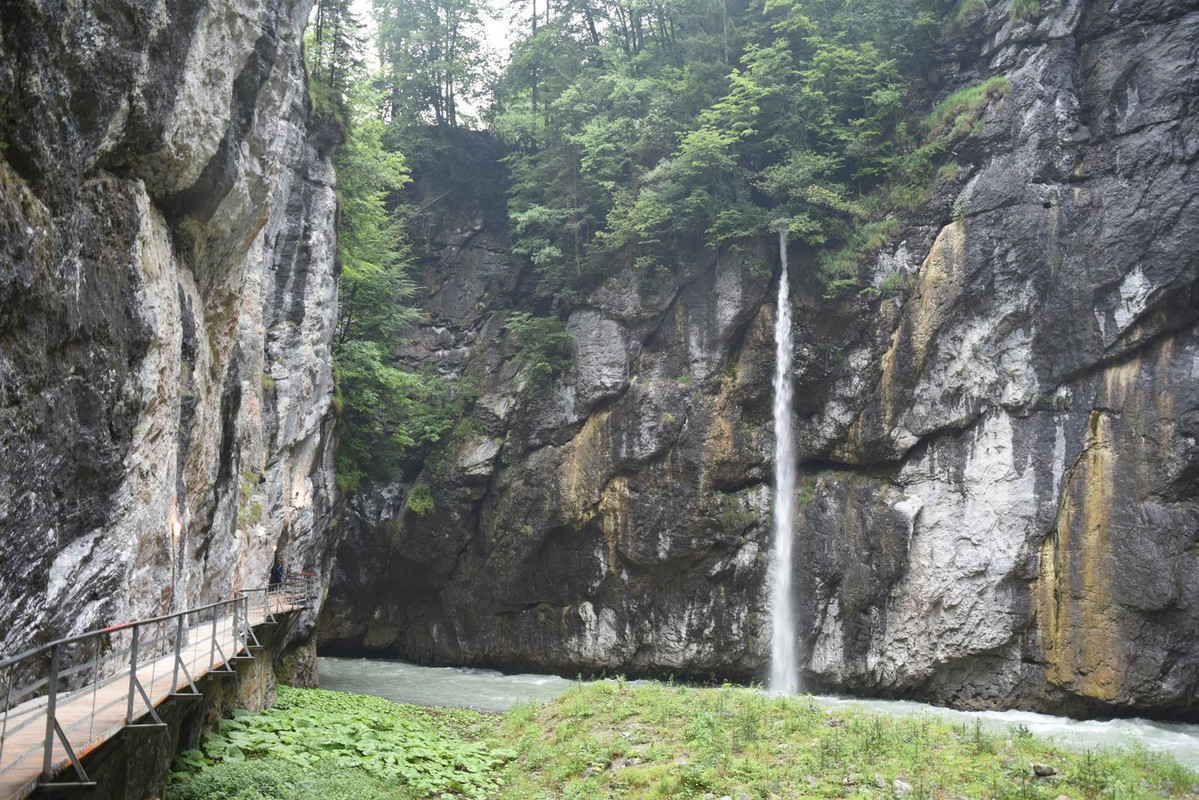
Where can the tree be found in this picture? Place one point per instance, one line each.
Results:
(432, 56)
(643, 130)
(335, 58)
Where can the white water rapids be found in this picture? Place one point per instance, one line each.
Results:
(784, 666)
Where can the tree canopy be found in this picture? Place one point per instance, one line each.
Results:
(637, 132)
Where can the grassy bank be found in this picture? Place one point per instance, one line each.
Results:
(611, 740)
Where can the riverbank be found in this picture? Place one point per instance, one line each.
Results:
(610, 739)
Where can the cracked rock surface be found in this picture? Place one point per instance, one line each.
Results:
(167, 296)
(997, 502)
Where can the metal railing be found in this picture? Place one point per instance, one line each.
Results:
(107, 679)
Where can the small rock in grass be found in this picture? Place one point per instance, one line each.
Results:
(902, 788)
(879, 782)
(850, 780)
(812, 780)
(1043, 770)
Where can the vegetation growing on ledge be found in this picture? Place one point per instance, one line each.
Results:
(1024, 10)
(543, 344)
(612, 740)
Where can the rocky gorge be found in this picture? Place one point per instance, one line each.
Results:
(996, 431)
(167, 297)
(997, 437)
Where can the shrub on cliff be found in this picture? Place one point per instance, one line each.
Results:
(543, 344)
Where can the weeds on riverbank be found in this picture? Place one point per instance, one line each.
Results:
(611, 740)
(318, 744)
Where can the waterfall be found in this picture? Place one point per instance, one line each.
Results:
(784, 666)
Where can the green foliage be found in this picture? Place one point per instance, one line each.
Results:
(357, 744)
(965, 10)
(1024, 10)
(374, 287)
(542, 343)
(642, 132)
(270, 778)
(613, 740)
(838, 269)
(333, 49)
(388, 412)
(609, 740)
(433, 58)
(891, 282)
(734, 519)
(420, 499)
(955, 116)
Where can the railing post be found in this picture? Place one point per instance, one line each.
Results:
(51, 703)
(7, 703)
(238, 631)
(132, 675)
(212, 645)
(178, 654)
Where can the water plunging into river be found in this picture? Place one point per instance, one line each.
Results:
(784, 666)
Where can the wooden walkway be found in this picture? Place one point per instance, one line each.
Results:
(93, 715)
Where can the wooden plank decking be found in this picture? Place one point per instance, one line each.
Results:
(93, 715)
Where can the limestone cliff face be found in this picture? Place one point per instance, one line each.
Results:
(999, 463)
(167, 293)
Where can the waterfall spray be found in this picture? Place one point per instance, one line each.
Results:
(784, 666)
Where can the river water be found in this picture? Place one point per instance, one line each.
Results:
(494, 691)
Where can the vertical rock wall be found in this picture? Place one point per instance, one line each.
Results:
(998, 491)
(167, 295)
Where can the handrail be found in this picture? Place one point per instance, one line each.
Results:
(45, 673)
(148, 621)
(111, 629)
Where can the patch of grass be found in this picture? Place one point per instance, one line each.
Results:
(1024, 10)
(839, 268)
(612, 740)
(543, 343)
(602, 740)
(733, 519)
(966, 9)
(956, 115)
(420, 499)
(948, 171)
(891, 282)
